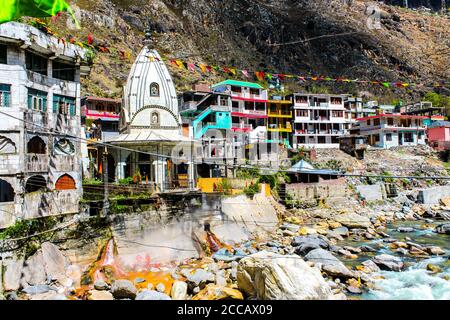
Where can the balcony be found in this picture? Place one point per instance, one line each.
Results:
(279, 128)
(279, 114)
(42, 79)
(36, 162)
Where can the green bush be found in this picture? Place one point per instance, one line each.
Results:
(251, 190)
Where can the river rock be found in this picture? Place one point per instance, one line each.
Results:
(433, 268)
(443, 228)
(304, 244)
(123, 289)
(330, 264)
(160, 287)
(366, 248)
(179, 290)
(353, 249)
(50, 295)
(291, 227)
(198, 276)
(214, 292)
(353, 220)
(405, 229)
(388, 262)
(101, 285)
(270, 276)
(100, 295)
(370, 266)
(38, 289)
(436, 251)
(152, 295)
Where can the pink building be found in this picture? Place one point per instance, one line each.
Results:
(439, 135)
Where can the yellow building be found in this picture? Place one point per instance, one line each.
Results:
(279, 123)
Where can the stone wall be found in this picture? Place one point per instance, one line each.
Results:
(323, 190)
(433, 195)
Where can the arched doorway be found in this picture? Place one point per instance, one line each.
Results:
(6, 191)
(35, 183)
(65, 182)
(36, 145)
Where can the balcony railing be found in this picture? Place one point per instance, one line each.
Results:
(42, 79)
(35, 119)
(36, 162)
(242, 126)
(279, 113)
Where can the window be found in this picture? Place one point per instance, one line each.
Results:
(301, 100)
(37, 100)
(302, 113)
(390, 121)
(36, 63)
(36, 145)
(368, 122)
(6, 192)
(301, 140)
(3, 54)
(408, 137)
(65, 182)
(64, 105)
(322, 140)
(236, 89)
(376, 122)
(388, 136)
(154, 90)
(254, 91)
(338, 114)
(63, 71)
(5, 95)
(35, 183)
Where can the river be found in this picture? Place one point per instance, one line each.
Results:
(415, 282)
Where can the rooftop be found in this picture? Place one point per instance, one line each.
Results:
(239, 84)
(397, 115)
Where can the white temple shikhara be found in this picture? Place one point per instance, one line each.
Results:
(150, 123)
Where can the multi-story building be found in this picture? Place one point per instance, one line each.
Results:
(40, 158)
(249, 107)
(100, 117)
(279, 124)
(355, 108)
(319, 120)
(392, 130)
(424, 108)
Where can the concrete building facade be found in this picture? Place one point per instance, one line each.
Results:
(393, 130)
(40, 161)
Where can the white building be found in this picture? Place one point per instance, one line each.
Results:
(319, 120)
(151, 123)
(40, 165)
(393, 130)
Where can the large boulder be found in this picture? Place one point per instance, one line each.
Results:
(54, 261)
(34, 270)
(388, 262)
(198, 277)
(443, 228)
(353, 220)
(304, 244)
(330, 264)
(12, 275)
(270, 276)
(123, 289)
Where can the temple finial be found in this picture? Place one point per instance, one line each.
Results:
(148, 35)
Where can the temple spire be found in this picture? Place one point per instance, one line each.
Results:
(148, 42)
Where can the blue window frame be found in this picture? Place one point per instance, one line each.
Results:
(37, 100)
(64, 105)
(5, 95)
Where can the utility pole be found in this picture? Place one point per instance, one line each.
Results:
(105, 210)
(443, 7)
(405, 3)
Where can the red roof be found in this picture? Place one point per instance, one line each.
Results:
(397, 115)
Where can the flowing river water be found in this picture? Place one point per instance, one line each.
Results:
(415, 282)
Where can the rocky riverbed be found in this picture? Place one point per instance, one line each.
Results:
(392, 250)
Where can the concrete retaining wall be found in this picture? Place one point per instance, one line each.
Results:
(371, 192)
(433, 195)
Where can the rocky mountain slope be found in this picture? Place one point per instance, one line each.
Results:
(322, 37)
